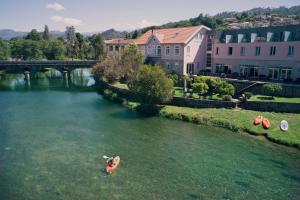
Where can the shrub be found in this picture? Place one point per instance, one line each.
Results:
(201, 88)
(272, 89)
(225, 88)
(227, 98)
(248, 95)
(174, 77)
(152, 86)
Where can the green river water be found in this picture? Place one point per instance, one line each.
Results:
(53, 136)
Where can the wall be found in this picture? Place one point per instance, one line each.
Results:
(271, 106)
(181, 101)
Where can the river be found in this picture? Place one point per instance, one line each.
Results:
(53, 135)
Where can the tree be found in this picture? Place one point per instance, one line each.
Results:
(55, 50)
(131, 60)
(107, 69)
(272, 89)
(71, 42)
(200, 88)
(225, 88)
(98, 46)
(4, 50)
(152, 86)
(46, 33)
(134, 34)
(80, 45)
(34, 35)
(31, 50)
(16, 48)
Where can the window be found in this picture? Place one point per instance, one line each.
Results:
(217, 51)
(111, 48)
(286, 74)
(176, 65)
(167, 50)
(208, 60)
(230, 50)
(272, 51)
(177, 51)
(199, 36)
(117, 48)
(190, 68)
(257, 51)
(188, 49)
(291, 51)
(158, 53)
(273, 73)
(168, 65)
(243, 51)
(222, 68)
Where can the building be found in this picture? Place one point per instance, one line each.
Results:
(115, 45)
(271, 53)
(180, 50)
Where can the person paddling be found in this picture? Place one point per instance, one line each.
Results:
(112, 163)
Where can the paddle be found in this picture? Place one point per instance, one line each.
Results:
(105, 157)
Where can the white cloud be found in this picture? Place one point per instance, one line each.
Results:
(67, 21)
(55, 6)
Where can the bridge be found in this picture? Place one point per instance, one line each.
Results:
(36, 66)
(31, 67)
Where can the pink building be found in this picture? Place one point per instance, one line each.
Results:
(271, 53)
(180, 50)
(113, 46)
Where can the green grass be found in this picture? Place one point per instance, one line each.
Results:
(239, 120)
(275, 99)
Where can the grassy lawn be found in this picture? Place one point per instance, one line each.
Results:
(239, 121)
(275, 99)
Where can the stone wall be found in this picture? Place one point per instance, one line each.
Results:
(197, 103)
(271, 106)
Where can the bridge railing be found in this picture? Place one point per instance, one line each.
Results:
(57, 62)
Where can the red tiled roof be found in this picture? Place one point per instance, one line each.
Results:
(119, 41)
(169, 36)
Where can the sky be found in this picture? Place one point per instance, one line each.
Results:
(100, 15)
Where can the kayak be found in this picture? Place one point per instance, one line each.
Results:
(111, 169)
(258, 120)
(266, 124)
(284, 125)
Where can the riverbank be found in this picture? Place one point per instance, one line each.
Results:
(236, 120)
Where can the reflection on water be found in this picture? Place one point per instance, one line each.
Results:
(50, 79)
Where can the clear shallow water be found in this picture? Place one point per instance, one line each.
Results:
(52, 141)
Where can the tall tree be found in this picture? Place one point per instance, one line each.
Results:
(55, 50)
(98, 46)
(80, 45)
(4, 50)
(34, 35)
(46, 33)
(71, 41)
(16, 48)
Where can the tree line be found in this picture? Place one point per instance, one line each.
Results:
(43, 46)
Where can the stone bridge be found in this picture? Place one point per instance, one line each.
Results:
(36, 66)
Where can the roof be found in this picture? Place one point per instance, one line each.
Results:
(118, 41)
(170, 35)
